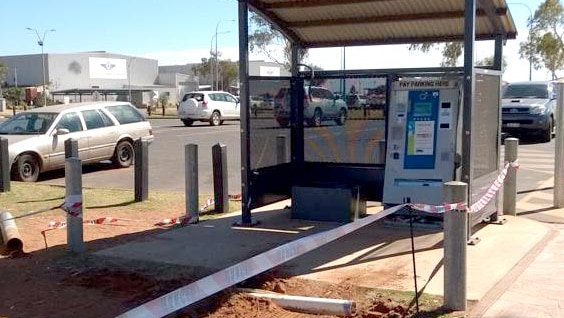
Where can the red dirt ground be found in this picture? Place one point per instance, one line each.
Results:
(54, 283)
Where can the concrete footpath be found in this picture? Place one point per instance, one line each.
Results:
(517, 269)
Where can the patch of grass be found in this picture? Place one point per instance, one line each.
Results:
(28, 197)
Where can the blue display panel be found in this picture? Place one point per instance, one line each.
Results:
(421, 132)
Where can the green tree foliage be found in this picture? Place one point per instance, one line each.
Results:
(228, 73)
(265, 38)
(545, 45)
(451, 51)
(489, 61)
(204, 68)
(13, 95)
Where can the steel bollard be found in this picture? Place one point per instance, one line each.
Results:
(191, 181)
(4, 165)
(141, 149)
(455, 238)
(510, 182)
(73, 200)
(71, 148)
(220, 182)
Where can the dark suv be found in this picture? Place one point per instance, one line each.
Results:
(529, 108)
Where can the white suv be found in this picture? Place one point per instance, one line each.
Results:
(211, 106)
(319, 105)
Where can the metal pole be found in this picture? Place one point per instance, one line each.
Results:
(4, 165)
(141, 148)
(41, 42)
(216, 66)
(529, 39)
(220, 184)
(191, 185)
(73, 201)
(559, 153)
(281, 149)
(455, 238)
(71, 148)
(381, 150)
(510, 182)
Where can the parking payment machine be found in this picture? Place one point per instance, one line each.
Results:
(423, 121)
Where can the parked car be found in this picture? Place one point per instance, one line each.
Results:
(320, 104)
(261, 104)
(211, 106)
(528, 108)
(104, 130)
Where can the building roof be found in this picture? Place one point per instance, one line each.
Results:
(327, 23)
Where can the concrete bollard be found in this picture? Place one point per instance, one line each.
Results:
(71, 148)
(73, 201)
(510, 182)
(141, 149)
(559, 153)
(191, 181)
(4, 165)
(10, 233)
(455, 238)
(281, 150)
(220, 178)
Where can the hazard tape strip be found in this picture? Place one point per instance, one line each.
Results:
(73, 205)
(182, 220)
(477, 206)
(494, 187)
(232, 275)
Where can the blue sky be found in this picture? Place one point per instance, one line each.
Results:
(181, 31)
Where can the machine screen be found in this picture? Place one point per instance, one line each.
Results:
(422, 110)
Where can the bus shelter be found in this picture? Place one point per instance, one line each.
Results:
(286, 145)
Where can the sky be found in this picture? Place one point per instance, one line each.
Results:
(183, 31)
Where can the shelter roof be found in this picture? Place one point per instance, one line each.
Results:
(327, 23)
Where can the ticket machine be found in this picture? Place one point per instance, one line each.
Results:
(422, 146)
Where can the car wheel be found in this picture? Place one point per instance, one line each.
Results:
(187, 122)
(215, 119)
(123, 154)
(26, 168)
(342, 117)
(546, 135)
(315, 121)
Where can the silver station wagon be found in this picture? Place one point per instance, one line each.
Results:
(104, 130)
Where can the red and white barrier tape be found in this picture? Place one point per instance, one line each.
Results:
(232, 275)
(496, 185)
(182, 220)
(99, 221)
(209, 202)
(476, 207)
(73, 205)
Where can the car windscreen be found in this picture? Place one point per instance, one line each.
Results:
(27, 124)
(125, 114)
(526, 91)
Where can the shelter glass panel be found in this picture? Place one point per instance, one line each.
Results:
(270, 135)
(485, 124)
(344, 120)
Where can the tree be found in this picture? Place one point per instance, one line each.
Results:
(163, 100)
(204, 68)
(265, 38)
(13, 95)
(545, 46)
(228, 73)
(489, 61)
(451, 51)
(3, 73)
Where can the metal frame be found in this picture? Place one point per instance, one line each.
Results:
(297, 142)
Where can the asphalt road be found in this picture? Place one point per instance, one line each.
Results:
(166, 155)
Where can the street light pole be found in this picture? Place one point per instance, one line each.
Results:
(41, 42)
(530, 37)
(216, 60)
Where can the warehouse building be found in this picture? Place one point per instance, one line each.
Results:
(76, 77)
